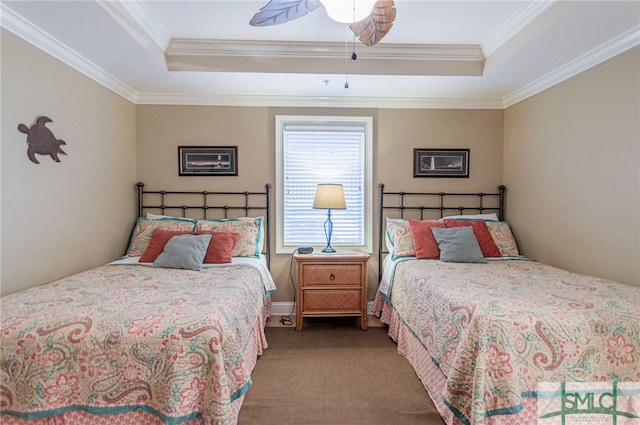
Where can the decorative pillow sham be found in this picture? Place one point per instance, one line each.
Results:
(220, 248)
(260, 230)
(159, 239)
(503, 237)
(423, 240)
(184, 252)
(249, 231)
(143, 231)
(388, 230)
(480, 230)
(399, 238)
(458, 245)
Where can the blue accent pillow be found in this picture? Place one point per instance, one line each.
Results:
(184, 252)
(458, 245)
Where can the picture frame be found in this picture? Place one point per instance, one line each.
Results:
(207, 160)
(441, 163)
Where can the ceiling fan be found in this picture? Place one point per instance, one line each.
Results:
(369, 30)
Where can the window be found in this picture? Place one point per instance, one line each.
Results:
(311, 150)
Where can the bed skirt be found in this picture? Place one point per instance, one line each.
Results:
(255, 348)
(431, 376)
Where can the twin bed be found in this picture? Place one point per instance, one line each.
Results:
(169, 333)
(492, 336)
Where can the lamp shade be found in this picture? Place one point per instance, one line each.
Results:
(330, 196)
(348, 11)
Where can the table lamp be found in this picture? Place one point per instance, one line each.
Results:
(331, 197)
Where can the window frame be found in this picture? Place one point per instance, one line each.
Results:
(365, 122)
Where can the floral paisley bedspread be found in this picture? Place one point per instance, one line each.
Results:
(497, 329)
(129, 337)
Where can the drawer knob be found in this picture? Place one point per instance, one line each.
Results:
(332, 276)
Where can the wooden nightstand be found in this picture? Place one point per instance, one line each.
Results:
(331, 285)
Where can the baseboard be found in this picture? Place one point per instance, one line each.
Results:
(286, 308)
(282, 308)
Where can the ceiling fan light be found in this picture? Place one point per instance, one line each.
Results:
(348, 11)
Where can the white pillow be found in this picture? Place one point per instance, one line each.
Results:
(151, 216)
(485, 217)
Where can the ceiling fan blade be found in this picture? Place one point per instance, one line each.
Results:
(280, 11)
(373, 28)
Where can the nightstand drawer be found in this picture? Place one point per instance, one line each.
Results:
(330, 300)
(322, 274)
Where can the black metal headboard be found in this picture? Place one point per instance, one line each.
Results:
(205, 204)
(433, 205)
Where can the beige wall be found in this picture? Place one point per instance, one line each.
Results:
(61, 218)
(570, 160)
(161, 129)
(571, 166)
(400, 131)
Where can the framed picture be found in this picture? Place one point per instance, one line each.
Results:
(441, 163)
(208, 160)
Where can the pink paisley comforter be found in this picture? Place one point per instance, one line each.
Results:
(120, 338)
(497, 329)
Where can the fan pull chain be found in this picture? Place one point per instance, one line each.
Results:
(346, 60)
(353, 35)
(354, 56)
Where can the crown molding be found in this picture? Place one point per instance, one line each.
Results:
(512, 27)
(320, 101)
(596, 56)
(45, 42)
(136, 19)
(310, 57)
(42, 40)
(295, 57)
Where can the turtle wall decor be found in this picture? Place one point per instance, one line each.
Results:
(41, 141)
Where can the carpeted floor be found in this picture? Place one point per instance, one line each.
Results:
(333, 373)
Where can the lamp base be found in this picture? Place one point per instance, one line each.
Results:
(328, 229)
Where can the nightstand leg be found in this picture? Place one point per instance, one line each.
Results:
(299, 320)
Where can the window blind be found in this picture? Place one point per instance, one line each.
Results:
(315, 154)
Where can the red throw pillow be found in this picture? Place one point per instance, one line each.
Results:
(481, 232)
(424, 242)
(159, 239)
(220, 247)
